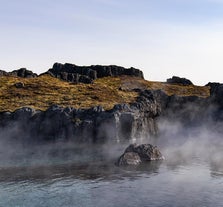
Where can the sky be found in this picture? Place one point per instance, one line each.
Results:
(161, 37)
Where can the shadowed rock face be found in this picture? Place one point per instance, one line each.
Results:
(78, 74)
(86, 74)
(129, 158)
(178, 80)
(216, 92)
(22, 72)
(136, 154)
(123, 123)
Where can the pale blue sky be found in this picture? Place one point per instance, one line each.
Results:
(160, 37)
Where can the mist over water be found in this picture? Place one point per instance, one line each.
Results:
(67, 174)
(184, 144)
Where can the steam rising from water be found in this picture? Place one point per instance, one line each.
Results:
(67, 174)
(181, 144)
(177, 142)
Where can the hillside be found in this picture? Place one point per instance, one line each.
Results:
(42, 91)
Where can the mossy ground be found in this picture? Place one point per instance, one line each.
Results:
(43, 91)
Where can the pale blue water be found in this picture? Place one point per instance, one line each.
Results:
(98, 182)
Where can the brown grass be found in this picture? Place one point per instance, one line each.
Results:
(43, 91)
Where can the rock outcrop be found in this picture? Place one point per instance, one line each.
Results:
(136, 154)
(3, 73)
(178, 80)
(22, 72)
(87, 74)
(216, 93)
(19, 85)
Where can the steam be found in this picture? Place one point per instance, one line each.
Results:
(185, 144)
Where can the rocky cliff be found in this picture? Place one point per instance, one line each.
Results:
(125, 121)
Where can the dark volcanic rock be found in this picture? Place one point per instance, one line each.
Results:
(187, 110)
(178, 80)
(22, 72)
(216, 92)
(3, 73)
(124, 122)
(86, 74)
(129, 158)
(136, 154)
(216, 100)
(19, 85)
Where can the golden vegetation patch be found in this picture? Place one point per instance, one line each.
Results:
(43, 91)
(171, 89)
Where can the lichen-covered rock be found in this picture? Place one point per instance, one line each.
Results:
(136, 154)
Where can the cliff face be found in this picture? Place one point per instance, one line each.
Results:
(124, 122)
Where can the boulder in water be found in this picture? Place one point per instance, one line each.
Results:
(129, 158)
(136, 154)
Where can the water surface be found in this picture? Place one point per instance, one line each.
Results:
(65, 180)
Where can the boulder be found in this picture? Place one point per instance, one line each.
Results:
(136, 154)
(19, 85)
(129, 158)
(178, 80)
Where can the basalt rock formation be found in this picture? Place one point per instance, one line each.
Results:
(178, 80)
(216, 93)
(122, 123)
(87, 74)
(22, 72)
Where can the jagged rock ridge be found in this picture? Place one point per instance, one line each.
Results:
(78, 74)
(86, 74)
